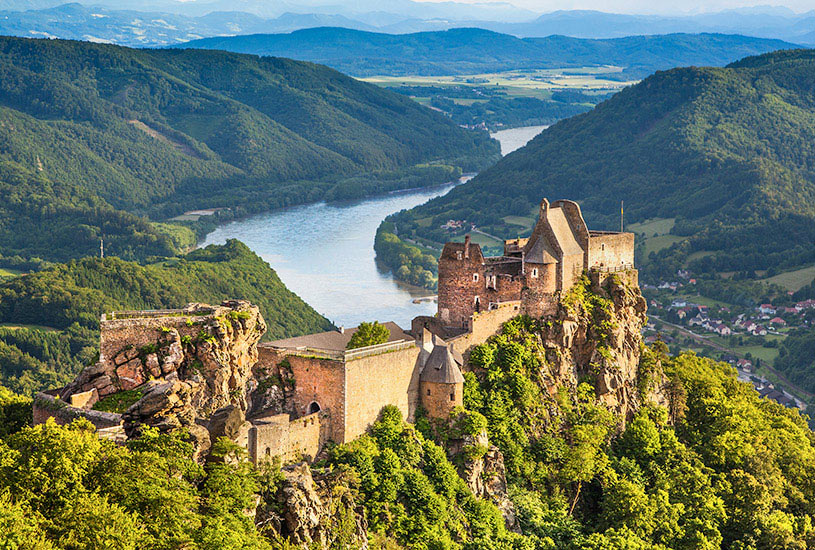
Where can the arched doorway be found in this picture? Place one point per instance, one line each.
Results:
(313, 408)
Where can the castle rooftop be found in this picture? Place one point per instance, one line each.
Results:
(443, 366)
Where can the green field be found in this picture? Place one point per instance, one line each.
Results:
(793, 280)
(653, 227)
(8, 272)
(521, 83)
(522, 221)
(657, 233)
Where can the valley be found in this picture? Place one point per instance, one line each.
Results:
(406, 276)
(332, 265)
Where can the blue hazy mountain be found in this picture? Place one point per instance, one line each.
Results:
(468, 51)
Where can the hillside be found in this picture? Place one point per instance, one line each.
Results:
(49, 321)
(538, 458)
(92, 131)
(726, 152)
(472, 51)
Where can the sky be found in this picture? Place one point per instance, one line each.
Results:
(672, 7)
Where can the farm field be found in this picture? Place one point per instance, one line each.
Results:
(793, 280)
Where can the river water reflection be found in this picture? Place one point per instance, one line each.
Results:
(324, 253)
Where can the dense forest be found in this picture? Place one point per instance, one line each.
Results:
(796, 358)
(473, 51)
(49, 320)
(728, 152)
(97, 139)
(719, 469)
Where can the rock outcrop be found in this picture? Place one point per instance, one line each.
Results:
(481, 466)
(186, 364)
(314, 514)
(596, 334)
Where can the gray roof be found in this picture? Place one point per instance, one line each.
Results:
(540, 250)
(442, 367)
(334, 340)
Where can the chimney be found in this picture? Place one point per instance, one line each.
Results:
(467, 246)
(544, 208)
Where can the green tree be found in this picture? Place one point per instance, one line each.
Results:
(369, 334)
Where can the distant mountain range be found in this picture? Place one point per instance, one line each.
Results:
(728, 153)
(170, 22)
(469, 51)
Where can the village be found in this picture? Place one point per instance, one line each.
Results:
(747, 337)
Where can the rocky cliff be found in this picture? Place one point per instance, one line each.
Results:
(596, 335)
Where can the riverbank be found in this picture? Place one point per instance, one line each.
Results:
(323, 251)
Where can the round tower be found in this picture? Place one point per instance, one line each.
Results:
(441, 383)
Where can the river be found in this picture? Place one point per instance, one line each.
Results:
(515, 138)
(324, 252)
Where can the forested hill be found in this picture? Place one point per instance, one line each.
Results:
(470, 50)
(728, 152)
(49, 321)
(90, 130)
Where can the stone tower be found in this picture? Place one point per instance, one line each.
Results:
(441, 383)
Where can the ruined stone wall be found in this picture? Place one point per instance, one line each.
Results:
(135, 333)
(320, 381)
(628, 277)
(389, 378)
(502, 282)
(439, 400)
(572, 211)
(48, 406)
(461, 279)
(293, 440)
(485, 324)
(611, 250)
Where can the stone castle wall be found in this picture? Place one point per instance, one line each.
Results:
(293, 440)
(483, 325)
(48, 406)
(320, 381)
(439, 400)
(461, 279)
(390, 378)
(611, 250)
(117, 334)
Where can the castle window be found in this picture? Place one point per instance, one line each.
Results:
(313, 407)
(475, 277)
(268, 451)
(428, 391)
(534, 272)
(452, 397)
(602, 246)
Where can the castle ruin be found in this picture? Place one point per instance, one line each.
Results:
(533, 271)
(202, 367)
